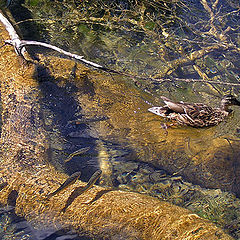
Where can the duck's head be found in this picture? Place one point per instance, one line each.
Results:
(229, 100)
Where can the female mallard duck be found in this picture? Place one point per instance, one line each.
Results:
(195, 114)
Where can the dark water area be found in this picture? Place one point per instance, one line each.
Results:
(194, 168)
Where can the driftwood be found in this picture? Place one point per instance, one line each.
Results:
(19, 46)
(26, 172)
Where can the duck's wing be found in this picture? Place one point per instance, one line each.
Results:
(171, 108)
(198, 110)
(196, 115)
(193, 110)
(177, 107)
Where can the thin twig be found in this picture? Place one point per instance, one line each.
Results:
(193, 81)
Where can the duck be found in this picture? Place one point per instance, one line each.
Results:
(195, 114)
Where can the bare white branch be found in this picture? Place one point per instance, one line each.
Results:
(12, 33)
(19, 45)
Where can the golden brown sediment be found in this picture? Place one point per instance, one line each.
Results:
(98, 212)
(103, 213)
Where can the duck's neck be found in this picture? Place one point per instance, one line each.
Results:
(225, 107)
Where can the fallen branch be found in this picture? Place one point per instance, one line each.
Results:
(19, 46)
(12, 33)
(22, 43)
(192, 80)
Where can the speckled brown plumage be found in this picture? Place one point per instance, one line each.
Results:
(195, 114)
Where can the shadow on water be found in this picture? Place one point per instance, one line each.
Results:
(59, 109)
(58, 106)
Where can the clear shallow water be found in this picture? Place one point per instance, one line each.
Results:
(180, 165)
(13, 227)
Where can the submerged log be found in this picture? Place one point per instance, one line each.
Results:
(100, 212)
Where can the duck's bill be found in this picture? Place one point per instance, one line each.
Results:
(156, 110)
